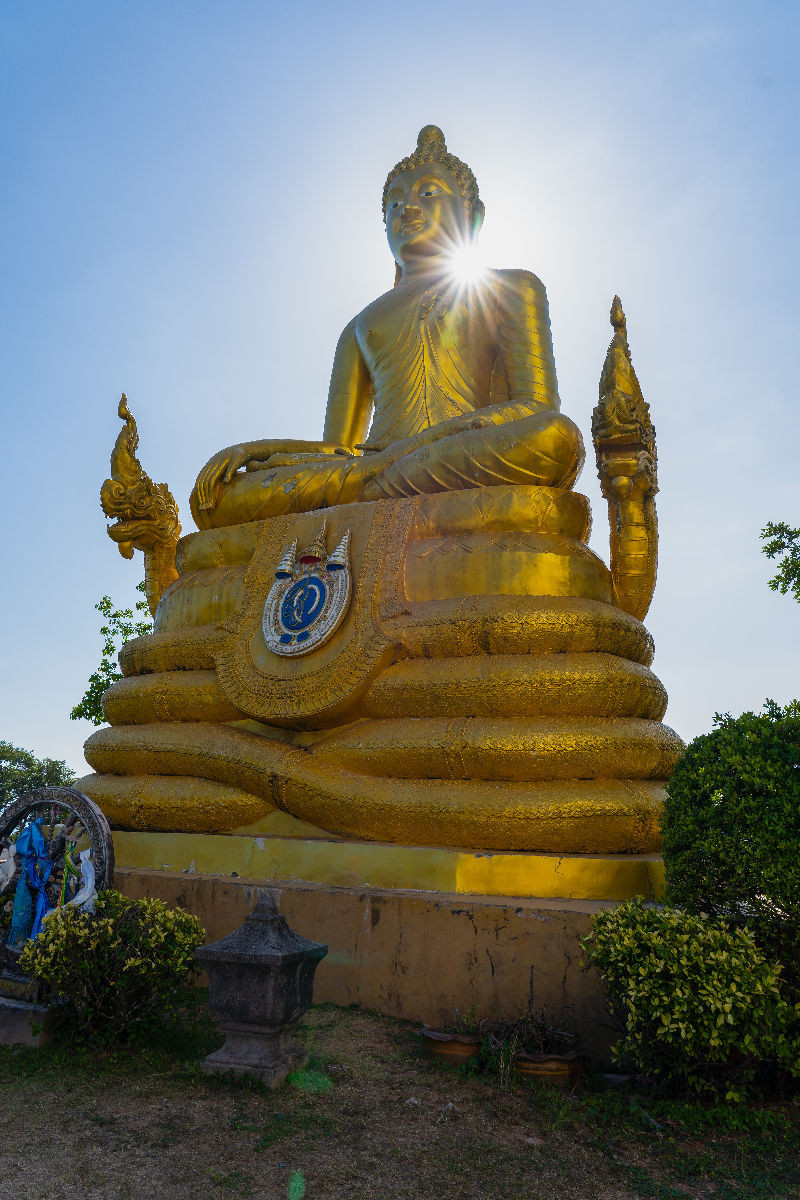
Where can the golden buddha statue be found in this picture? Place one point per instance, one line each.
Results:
(399, 633)
(459, 380)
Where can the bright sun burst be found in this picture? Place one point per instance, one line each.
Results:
(466, 264)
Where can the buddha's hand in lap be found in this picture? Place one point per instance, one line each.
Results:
(389, 451)
(222, 466)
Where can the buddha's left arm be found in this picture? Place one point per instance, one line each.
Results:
(525, 347)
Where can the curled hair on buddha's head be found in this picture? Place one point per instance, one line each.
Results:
(431, 148)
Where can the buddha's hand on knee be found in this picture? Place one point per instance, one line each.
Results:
(221, 468)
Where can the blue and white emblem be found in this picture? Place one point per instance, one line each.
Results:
(309, 598)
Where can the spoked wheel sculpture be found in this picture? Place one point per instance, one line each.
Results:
(55, 850)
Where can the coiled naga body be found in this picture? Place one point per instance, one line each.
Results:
(400, 633)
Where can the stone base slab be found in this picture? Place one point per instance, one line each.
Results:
(268, 1057)
(22, 1023)
(418, 955)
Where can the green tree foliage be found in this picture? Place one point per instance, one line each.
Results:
(732, 828)
(121, 624)
(21, 772)
(127, 965)
(782, 541)
(700, 1005)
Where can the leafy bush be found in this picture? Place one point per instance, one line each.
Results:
(124, 966)
(699, 1003)
(732, 828)
(784, 543)
(122, 624)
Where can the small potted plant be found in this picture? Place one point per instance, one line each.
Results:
(457, 1043)
(536, 1048)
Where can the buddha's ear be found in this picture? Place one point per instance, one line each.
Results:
(398, 273)
(478, 213)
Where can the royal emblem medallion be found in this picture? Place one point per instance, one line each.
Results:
(309, 598)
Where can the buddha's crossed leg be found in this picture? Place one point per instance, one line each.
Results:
(544, 449)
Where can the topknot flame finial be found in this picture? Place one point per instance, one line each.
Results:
(431, 136)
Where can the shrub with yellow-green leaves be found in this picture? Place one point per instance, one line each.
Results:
(699, 1004)
(122, 967)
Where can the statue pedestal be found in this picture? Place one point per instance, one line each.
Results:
(412, 931)
(481, 690)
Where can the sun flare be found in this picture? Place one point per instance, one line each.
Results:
(466, 264)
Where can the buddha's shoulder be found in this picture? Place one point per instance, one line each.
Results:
(375, 308)
(518, 282)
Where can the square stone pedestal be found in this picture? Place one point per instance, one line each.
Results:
(23, 1023)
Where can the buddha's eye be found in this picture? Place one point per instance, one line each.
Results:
(431, 192)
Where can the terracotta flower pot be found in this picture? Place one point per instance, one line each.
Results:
(450, 1047)
(553, 1068)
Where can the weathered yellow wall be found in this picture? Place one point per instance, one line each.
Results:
(417, 955)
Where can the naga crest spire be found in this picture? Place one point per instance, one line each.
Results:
(146, 513)
(627, 466)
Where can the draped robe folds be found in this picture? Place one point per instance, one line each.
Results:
(430, 364)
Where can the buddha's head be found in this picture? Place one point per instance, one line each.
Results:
(430, 202)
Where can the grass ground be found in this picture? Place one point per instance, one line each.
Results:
(368, 1119)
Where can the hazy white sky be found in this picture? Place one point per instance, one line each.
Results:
(190, 203)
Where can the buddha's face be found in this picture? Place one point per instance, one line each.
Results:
(425, 213)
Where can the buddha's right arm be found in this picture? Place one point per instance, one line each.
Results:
(350, 393)
(346, 423)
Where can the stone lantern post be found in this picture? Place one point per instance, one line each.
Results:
(261, 979)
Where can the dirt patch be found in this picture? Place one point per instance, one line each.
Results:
(369, 1119)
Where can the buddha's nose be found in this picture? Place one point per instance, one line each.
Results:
(410, 206)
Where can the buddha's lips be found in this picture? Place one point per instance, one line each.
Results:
(411, 226)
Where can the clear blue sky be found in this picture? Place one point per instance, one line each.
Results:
(190, 212)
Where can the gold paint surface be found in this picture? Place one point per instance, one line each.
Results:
(517, 685)
(485, 625)
(229, 546)
(516, 563)
(488, 685)
(574, 815)
(168, 696)
(165, 802)
(192, 649)
(407, 868)
(199, 598)
(539, 749)
(504, 749)
(503, 510)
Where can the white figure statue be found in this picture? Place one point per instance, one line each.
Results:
(86, 896)
(8, 868)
